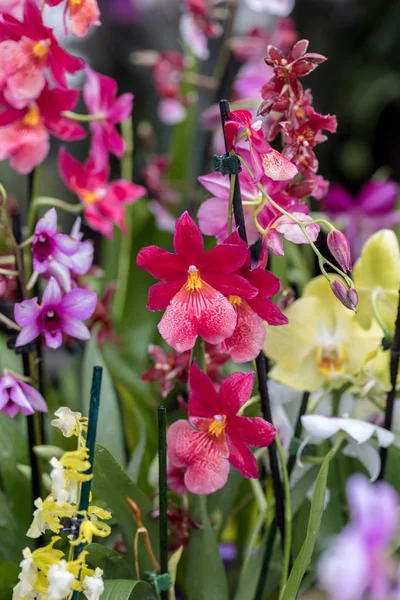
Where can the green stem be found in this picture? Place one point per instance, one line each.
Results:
(262, 511)
(125, 251)
(69, 114)
(163, 500)
(303, 226)
(253, 400)
(230, 207)
(8, 272)
(48, 201)
(288, 517)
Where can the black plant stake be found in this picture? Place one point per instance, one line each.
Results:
(394, 369)
(32, 438)
(261, 364)
(162, 485)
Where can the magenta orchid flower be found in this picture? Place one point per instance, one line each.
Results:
(216, 436)
(356, 566)
(372, 209)
(55, 315)
(82, 14)
(264, 159)
(248, 338)
(104, 203)
(59, 255)
(39, 48)
(24, 134)
(17, 396)
(193, 287)
(12, 7)
(99, 93)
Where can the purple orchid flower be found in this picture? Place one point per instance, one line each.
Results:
(16, 396)
(58, 255)
(355, 566)
(372, 209)
(99, 93)
(55, 316)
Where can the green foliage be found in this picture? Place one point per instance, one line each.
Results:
(205, 574)
(317, 508)
(110, 432)
(8, 578)
(127, 589)
(113, 564)
(112, 485)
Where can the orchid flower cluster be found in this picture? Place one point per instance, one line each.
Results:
(45, 572)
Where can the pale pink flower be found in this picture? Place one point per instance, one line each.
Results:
(16, 396)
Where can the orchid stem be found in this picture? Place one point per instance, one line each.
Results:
(394, 369)
(69, 114)
(230, 206)
(9, 323)
(48, 201)
(288, 517)
(125, 251)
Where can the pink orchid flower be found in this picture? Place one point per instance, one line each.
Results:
(24, 134)
(39, 48)
(55, 315)
(248, 338)
(82, 13)
(264, 159)
(16, 396)
(213, 213)
(59, 255)
(12, 7)
(193, 287)
(284, 226)
(99, 93)
(104, 203)
(216, 436)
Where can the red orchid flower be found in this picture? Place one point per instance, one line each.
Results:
(39, 44)
(104, 202)
(24, 134)
(194, 285)
(264, 159)
(216, 436)
(99, 93)
(248, 338)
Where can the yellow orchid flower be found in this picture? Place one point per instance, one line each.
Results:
(47, 516)
(376, 277)
(322, 343)
(92, 526)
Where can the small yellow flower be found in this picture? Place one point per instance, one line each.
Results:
(90, 528)
(75, 464)
(47, 516)
(322, 343)
(376, 278)
(69, 422)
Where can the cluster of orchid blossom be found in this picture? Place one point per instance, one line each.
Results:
(47, 572)
(37, 102)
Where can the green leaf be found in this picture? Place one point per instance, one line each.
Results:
(114, 564)
(317, 509)
(111, 483)
(206, 577)
(135, 430)
(12, 533)
(128, 589)
(8, 578)
(109, 431)
(14, 451)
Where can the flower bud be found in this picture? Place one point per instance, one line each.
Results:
(339, 246)
(348, 297)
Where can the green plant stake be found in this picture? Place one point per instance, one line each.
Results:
(90, 443)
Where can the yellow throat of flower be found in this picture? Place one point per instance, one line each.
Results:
(235, 301)
(88, 197)
(330, 359)
(41, 48)
(217, 426)
(194, 283)
(32, 117)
